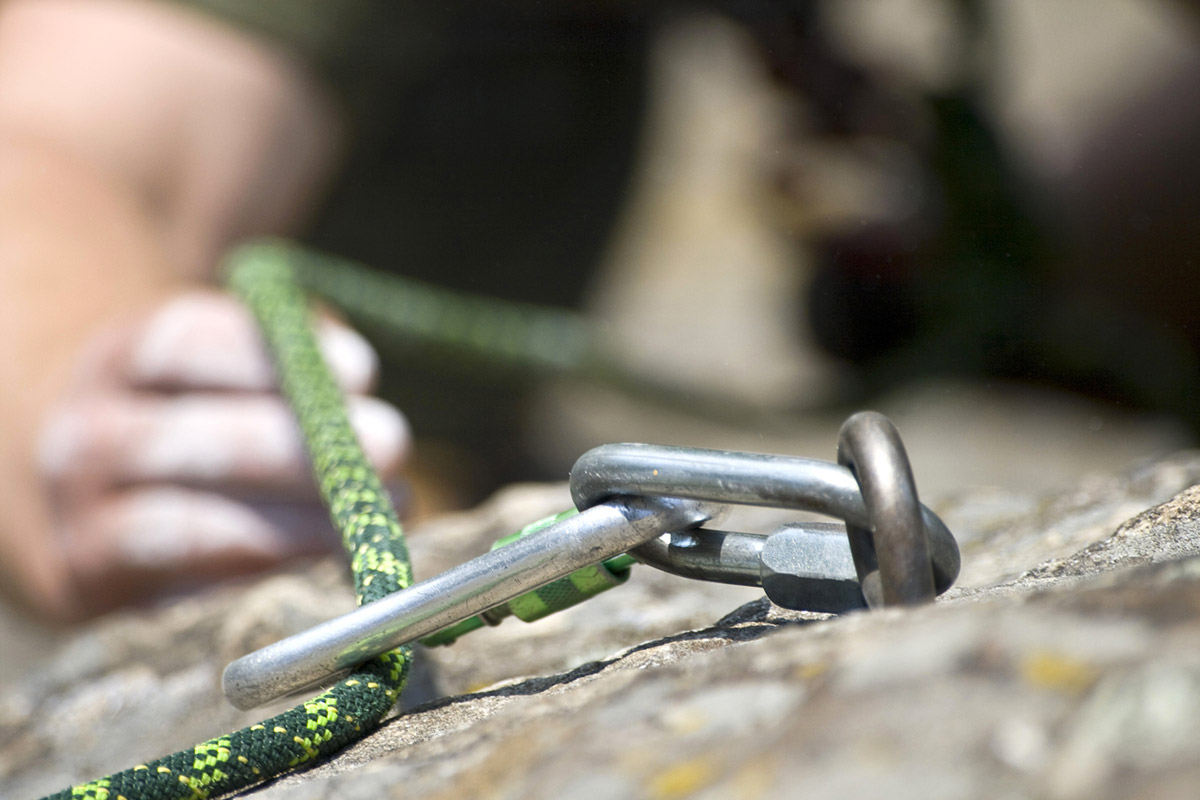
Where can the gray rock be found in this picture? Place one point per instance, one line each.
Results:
(1065, 665)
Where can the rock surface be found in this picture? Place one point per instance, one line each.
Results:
(1065, 664)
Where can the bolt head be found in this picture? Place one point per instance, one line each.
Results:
(809, 568)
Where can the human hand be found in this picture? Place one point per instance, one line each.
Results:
(171, 462)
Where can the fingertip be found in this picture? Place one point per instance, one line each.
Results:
(199, 339)
(383, 432)
(139, 545)
(350, 357)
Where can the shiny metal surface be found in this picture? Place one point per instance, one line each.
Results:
(891, 552)
(648, 500)
(805, 566)
(600, 532)
(721, 475)
(707, 555)
(615, 470)
(809, 567)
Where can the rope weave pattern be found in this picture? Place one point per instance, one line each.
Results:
(360, 509)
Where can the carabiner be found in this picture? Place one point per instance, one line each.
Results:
(615, 470)
(649, 500)
(326, 650)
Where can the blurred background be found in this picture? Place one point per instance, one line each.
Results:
(979, 217)
(976, 217)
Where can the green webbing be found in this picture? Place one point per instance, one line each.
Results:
(261, 275)
(558, 595)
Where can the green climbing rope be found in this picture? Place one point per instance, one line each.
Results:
(360, 508)
(458, 330)
(503, 339)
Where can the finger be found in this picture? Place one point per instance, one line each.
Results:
(137, 545)
(247, 444)
(206, 340)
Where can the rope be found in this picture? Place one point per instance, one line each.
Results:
(505, 340)
(458, 330)
(360, 509)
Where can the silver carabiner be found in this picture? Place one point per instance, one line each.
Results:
(648, 500)
(324, 651)
(615, 470)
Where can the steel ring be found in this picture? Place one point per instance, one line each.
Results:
(891, 553)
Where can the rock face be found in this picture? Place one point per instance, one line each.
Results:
(1065, 664)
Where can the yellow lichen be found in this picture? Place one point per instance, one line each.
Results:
(682, 779)
(1050, 670)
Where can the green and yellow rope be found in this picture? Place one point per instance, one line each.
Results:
(360, 508)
